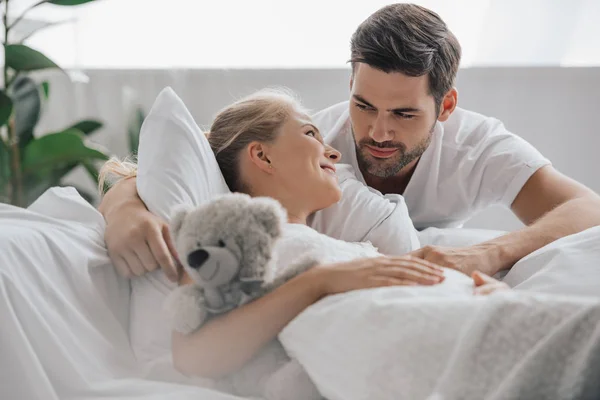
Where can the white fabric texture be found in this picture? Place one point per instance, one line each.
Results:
(64, 310)
(365, 215)
(176, 167)
(473, 162)
(298, 241)
(408, 343)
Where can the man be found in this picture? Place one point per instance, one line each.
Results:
(403, 131)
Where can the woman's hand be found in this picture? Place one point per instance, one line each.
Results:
(485, 284)
(137, 241)
(377, 272)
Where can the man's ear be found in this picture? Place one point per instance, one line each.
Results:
(258, 153)
(177, 221)
(448, 105)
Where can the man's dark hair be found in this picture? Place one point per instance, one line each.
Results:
(412, 40)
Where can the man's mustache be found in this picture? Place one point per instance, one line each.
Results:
(382, 145)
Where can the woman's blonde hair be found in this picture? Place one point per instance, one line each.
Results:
(257, 117)
(115, 170)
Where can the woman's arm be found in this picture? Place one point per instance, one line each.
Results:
(226, 343)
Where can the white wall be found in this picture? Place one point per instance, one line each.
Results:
(555, 109)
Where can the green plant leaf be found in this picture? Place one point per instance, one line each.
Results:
(87, 126)
(6, 107)
(93, 172)
(69, 2)
(23, 58)
(28, 108)
(4, 172)
(44, 155)
(45, 89)
(133, 129)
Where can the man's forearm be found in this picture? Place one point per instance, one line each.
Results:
(569, 218)
(123, 192)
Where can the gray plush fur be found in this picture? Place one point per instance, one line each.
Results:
(226, 248)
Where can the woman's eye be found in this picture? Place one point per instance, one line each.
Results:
(221, 243)
(311, 133)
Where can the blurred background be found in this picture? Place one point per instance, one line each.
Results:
(534, 64)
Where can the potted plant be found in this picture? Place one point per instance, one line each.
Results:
(29, 165)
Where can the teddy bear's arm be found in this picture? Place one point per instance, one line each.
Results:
(186, 308)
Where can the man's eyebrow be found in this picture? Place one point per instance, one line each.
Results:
(405, 110)
(396, 110)
(362, 100)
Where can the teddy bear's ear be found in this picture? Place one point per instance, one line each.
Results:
(270, 214)
(177, 220)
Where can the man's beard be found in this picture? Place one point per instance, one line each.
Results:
(386, 167)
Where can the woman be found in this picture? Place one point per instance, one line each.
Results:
(266, 145)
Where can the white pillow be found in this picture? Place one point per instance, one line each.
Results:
(176, 166)
(175, 162)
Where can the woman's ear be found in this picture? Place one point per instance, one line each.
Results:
(258, 153)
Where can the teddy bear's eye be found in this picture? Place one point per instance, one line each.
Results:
(198, 244)
(221, 243)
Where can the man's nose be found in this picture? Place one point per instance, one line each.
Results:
(380, 130)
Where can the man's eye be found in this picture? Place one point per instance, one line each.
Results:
(361, 106)
(405, 116)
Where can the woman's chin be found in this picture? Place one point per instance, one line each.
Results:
(330, 195)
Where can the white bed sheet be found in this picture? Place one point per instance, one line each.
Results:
(63, 309)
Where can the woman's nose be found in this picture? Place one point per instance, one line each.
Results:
(332, 154)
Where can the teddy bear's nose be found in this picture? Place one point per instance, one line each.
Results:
(196, 258)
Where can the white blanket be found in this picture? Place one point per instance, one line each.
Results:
(63, 310)
(417, 343)
(63, 314)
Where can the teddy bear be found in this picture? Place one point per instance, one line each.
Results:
(226, 248)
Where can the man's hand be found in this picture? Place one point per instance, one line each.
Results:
(481, 257)
(485, 284)
(138, 241)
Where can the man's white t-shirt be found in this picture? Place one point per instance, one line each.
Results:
(472, 162)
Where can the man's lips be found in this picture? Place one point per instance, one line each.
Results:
(378, 152)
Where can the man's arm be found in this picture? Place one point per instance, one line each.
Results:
(550, 204)
(137, 240)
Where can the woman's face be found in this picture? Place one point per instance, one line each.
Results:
(303, 165)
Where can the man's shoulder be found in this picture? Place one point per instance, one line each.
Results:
(466, 129)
